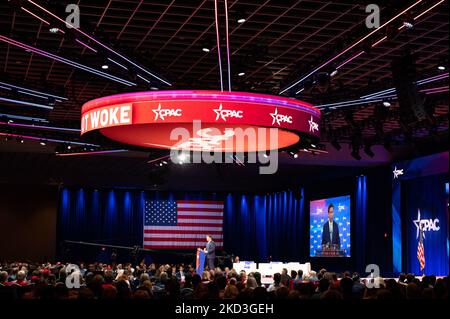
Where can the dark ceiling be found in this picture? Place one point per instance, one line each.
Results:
(279, 42)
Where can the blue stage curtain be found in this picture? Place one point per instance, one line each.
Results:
(255, 226)
(429, 195)
(360, 222)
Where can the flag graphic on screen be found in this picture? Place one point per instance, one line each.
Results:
(421, 251)
(182, 224)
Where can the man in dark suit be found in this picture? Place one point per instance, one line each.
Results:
(210, 251)
(330, 232)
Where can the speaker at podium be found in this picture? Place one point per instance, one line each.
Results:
(200, 261)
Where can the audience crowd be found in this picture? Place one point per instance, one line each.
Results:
(20, 280)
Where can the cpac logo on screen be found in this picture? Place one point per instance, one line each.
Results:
(162, 113)
(223, 114)
(280, 118)
(425, 224)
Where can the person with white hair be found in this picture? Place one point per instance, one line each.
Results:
(21, 278)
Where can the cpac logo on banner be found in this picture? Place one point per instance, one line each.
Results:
(213, 145)
(163, 113)
(224, 114)
(280, 118)
(105, 117)
(426, 224)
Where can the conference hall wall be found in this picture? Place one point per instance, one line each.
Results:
(28, 215)
(258, 227)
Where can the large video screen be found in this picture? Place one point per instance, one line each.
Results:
(330, 223)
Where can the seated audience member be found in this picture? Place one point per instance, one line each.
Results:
(324, 285)
(231, 292)
(346, 287)
(285, 278)
(251, 283)
(358, 287)
(276, 282)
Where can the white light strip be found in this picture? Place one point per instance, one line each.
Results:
(117, 63)
(26, 103)
(32, 91)
(351, 47)
(228, 46)
(216, 15)
(98, 42)
(141, 77)
(32, 94)
(26, 118)
(431, 8)
(36, 16)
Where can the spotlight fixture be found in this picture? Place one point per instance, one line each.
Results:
(241, 20)
(53, 30)
(206, 45)
(241, 73)
(408, 24)
(386, 103)
(20, 140)
(333, 73)
(442, 65)
(43, 143)
(105, 66)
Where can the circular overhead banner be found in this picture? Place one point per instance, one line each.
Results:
(201, 120)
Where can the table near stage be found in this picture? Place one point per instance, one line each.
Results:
(267, 270)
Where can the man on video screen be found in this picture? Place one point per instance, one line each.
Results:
(330, 232)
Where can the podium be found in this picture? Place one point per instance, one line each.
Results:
(330, 251)
(200, 262)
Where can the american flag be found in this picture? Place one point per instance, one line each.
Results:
(421, 250)
(182, 224)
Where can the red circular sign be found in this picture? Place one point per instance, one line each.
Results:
(201, 120)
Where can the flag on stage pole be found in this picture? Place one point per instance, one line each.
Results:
(182, 224)
(420, 249)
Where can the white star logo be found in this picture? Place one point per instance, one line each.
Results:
(280, 118)
(313, 126)
(219, 113)
(417, 223)
(274, 117)
(397, 172)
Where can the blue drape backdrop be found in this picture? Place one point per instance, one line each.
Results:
(429, 195)
(255, 226)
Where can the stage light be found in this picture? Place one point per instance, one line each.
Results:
(68, 146)
(241, 20)
(333, 73)
(43, 143)
(442, 65)
(241, 17)
(7, 138)
(154, 88)
(53, 30)
(241, 73)
(386, 103)
(55, 57)
(105, 66)
(97, 42)
(205, 49)
(20, 140)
